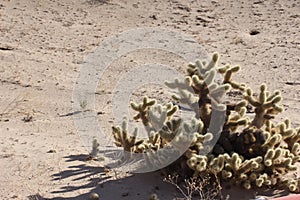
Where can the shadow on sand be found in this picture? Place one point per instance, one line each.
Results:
(135, 187)
(95, 179)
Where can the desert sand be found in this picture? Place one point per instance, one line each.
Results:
(44, 43)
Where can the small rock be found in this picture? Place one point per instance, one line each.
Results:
(28, 118)
(153, 17)
(254, 32)
(94, 196)
(51, 151)
(125, 194)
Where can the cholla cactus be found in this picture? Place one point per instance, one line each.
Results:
(251, 151)
(266, 105)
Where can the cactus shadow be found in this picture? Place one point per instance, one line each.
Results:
(95, 179)
(136, 186)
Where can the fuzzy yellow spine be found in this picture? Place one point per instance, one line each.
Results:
(254, 155)
(185, 92)
(239, 118)
(228, 71)
(201, 67)
(210, 93)
(154, 139)
(197, 163)
(188, 134)
(158, 115)
(296, 149)
(249, 165)
(287, 164)
(263, 179)
(253, 176)
(273, 156)
(247, 184)
(266, 105)
(285, 129)
(122, 139)
(197, 143)
(272, 141)
(190, 131)
(292, 184)
(209, 90)
(170, 130)
(226, 174)
(295, 138)
(152, 143)
(234, 162)
(217, 164)
(143, 108)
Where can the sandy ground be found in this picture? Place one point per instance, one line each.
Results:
(43, 43)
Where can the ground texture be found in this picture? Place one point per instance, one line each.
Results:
(43, 43)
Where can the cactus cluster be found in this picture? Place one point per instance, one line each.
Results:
(251, 149)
